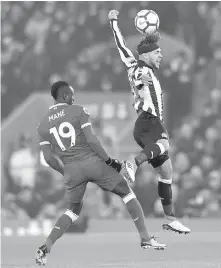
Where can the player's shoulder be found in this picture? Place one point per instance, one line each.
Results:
(141, 69)
(79, 109)
(142, 66)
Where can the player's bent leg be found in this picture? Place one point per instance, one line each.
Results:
(152, 150)
(74, 198)
(62, 225)
(164, 168)
(123, 190)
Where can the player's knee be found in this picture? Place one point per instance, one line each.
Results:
(165, 170)
(71, 215)
(160, 162)
(75, 207)
(164, 145)
(124, 191)
(127, 198)
(166, 180)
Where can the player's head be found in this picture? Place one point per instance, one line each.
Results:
(62, 92)
(149, 50)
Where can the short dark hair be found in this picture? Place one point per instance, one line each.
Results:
(149, 40)
(56, 87)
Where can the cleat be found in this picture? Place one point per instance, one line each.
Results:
(127, 170)
(152, 243)
(41, 255)
(176, 227)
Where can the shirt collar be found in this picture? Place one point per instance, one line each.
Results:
(58, 104)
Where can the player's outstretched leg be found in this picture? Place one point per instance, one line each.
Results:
(61, 226)
(134, 208)
(165, 194)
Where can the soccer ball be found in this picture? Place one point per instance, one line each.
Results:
(147, 21)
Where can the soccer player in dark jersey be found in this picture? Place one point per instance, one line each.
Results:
(149, 131)
(70, 146)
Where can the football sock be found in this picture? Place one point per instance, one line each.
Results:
(165, 193)
(153, 150)
(136, 212)
(149, 152)
(61, 226)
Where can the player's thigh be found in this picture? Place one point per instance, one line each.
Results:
(142, 130)
(104, 176)
(165, 170)
(123, 190)
(157, 130)
(75, 194)
(114, 182)
(75, 182)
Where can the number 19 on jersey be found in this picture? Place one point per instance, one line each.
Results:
(58, 134)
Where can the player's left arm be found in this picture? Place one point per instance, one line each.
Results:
(95, 143)
(125, 53)
(50, 158)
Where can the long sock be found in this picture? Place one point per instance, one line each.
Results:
(136, 212)
(168, 211)
(61, 226)
(149, 152)
(165, 193)
(153, 150)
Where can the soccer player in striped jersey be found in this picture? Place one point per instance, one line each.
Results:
(70, 146)
(149, 131)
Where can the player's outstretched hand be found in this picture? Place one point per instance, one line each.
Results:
(112, 15)
(114, 163)
(146, 79)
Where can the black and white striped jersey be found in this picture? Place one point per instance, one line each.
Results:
(146, 98)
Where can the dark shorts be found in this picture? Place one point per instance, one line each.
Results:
(95, 170)
(149, 129)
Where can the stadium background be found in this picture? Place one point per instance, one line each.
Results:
(46, 41)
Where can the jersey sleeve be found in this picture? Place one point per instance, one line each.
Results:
(137, 78)
(85, 118)
(126, 55)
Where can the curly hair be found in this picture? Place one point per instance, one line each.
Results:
(149, 39)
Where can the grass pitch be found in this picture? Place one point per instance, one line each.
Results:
(115, 244)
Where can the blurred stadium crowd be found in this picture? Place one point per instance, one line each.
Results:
(45, 41)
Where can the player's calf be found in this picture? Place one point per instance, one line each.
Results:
(61, 226)
(135, 210)
(165, 194)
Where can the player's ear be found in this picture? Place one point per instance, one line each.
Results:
(65, 96)
(146, 56)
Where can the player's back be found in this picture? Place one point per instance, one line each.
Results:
(62, 128)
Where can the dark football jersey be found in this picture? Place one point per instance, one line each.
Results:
(62, 127)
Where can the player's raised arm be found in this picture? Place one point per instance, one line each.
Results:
(126, 55)
(94, 142)
(51, 159)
